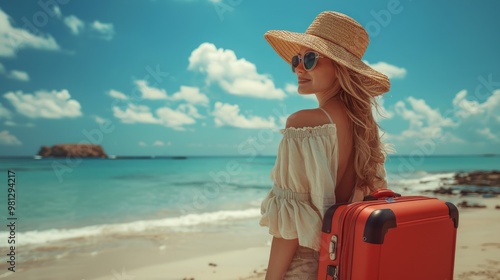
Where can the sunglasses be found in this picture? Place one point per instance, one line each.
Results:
(309, 61)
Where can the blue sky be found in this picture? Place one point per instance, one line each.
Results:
(174, 77)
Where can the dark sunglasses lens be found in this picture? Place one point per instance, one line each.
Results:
(295, 62)
(309, 60)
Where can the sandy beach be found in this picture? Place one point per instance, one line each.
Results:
(245, 255)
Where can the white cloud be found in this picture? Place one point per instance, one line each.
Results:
(45, 104)
(19, 75)
(236, 76)
(13, 39)
(478, 121)
(4, 112)
(174, 119)
(149, 92)
(118, 95)
(381, 113)
(161, 143)
(105, 30)
(74, 24)
(486, 132)
(291, 88)
(190, 110)
(390, 70)
(57, 11)
(100, 120)
(158, 143)
(229, 115)
(8, 139)
(191, 95)
(2, 68)
(424, 122)
(471, 121)
(468, 108)
(10, 123)
(135, 114)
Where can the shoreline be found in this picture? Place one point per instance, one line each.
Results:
(230, 256)
(242, 253)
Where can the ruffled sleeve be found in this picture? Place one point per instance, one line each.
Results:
(304, 177)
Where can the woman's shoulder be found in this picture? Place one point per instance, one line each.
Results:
(307, 118)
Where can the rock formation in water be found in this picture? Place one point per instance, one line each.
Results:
(73, 150)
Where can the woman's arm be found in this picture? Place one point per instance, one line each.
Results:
(282, 252)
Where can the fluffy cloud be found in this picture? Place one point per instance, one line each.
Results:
(149, 92)
(100, 120)
(135, 114)
(74, 24)
(478, 119)
(391, 71)
(424, 121)
(105, 30)
(12, 39)
(161, 143)
(8, 139)
(229, 115)
(102, 30)
(381, 112)
(175, 119)
(291, 88)
(44, 104)
(57, 11)
(15, 74)
(118, 95)
(190, 110)
(191, 95)
(157, 143)
(4, 112)
(236, 76)
(469, 122)
(19, 75)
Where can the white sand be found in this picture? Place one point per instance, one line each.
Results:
(217, 257)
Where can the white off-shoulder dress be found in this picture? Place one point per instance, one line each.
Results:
(304, 177)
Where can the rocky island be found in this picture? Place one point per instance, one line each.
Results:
(73, 150)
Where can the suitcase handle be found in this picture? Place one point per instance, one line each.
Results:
(381, 194)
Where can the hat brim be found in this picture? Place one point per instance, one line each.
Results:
(287, 44)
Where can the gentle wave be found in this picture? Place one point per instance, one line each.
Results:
(175, 223)
(420, 181)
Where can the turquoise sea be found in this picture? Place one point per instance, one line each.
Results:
(66, 202)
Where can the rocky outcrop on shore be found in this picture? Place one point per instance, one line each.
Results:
(73, 150)
(485, 184)
(467, 183)
(478, 178)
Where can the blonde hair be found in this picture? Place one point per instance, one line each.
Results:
(369, 151)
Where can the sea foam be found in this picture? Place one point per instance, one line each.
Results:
(168, 224)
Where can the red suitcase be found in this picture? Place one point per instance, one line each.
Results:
(389, 237)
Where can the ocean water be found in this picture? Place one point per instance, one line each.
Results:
(69, 203)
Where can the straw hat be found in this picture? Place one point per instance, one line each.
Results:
(337, 37)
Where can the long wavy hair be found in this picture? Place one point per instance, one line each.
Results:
(369, 151)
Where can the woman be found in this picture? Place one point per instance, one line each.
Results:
(328, 155)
